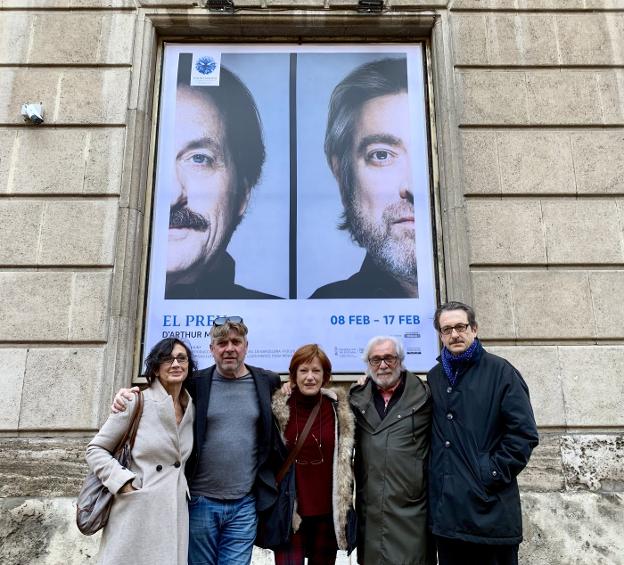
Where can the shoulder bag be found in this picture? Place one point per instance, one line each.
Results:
(95, 500)
(275, 523)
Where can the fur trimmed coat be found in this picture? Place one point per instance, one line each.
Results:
(342, 472)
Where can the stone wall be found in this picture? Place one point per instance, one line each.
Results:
(529, 181)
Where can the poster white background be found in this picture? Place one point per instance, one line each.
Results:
(260, 245)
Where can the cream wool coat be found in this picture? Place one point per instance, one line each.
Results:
(342, 471)
(148, 526)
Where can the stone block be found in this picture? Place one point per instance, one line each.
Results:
(11, 382)
(492, 97)
(572, 528)
(493, 302)
(598, 161)
(78, 232)
(35, 305)
(89, 313)
(69, 95)
(522, 5)
(573, 97)
(62, 161)
(69, 4)
(593, 387)
(591, 39)
(544, 472)
(42, 531)
(539, 366)
(20, 222)
(66, 38)
(508, 231)
(535, 162)
(606, 289)
(552, 305)
(35, 466)
(480, 166)
(574, 236)
(593, 462)
(62, 389)
(504, 39)
(469, 36)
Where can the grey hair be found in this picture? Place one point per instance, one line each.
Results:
(398, 345)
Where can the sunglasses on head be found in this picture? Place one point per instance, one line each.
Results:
(222, 320)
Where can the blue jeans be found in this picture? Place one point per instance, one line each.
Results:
(221, 532)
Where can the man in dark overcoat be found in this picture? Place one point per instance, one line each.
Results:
(483, 432)
(393, 414)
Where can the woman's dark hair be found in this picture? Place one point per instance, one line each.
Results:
(162, 350)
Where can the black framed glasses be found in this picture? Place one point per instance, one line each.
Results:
(222, 320)
(389, 360)
(181, 359)
(459, 328)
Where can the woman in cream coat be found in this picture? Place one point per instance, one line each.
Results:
(148, 523)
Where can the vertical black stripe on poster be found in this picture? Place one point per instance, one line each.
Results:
(292, 255)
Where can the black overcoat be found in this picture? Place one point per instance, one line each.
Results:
(483, 432)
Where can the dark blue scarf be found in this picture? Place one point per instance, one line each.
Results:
(453, 363)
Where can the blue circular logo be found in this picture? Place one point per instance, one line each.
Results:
(205, 65)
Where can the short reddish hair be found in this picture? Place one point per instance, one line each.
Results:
(306, 354)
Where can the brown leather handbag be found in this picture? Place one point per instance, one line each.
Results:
(95, 500)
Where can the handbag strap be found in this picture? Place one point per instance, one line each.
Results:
(304, 434)
(130, 435)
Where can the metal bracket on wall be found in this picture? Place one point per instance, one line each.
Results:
(370, 6)
(223, 6)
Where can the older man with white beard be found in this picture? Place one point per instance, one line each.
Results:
(393, 416)
(367, 145)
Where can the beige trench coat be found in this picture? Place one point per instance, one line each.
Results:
(148, 526)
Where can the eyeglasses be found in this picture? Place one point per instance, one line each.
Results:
(181, 359)
(316, 461)
(222, 320)
(459, 328)
(389, 360)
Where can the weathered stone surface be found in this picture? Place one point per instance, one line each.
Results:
(493, 302)
(62, 389)
(521, 5)
(480, 162)
(593, 462)
(37, 531)
(38, 467)
(549, 97)
(572, 528)
(598, 161)
(542, 162)
(544, 472)
(539, 366)
(593, 387)
(11, 381)
(43, 305)
(35, 305)
(547, 38)
(61, 160)
(505, 39)
(574, 236)
(535, 162)
(573, 97)
(69, 96)
(492, 97)
(68, 4)
(606, 288)
(66, 38)
(19, 231)
(89, 313)
(494, 229)
(552, 304)
(78, 232)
